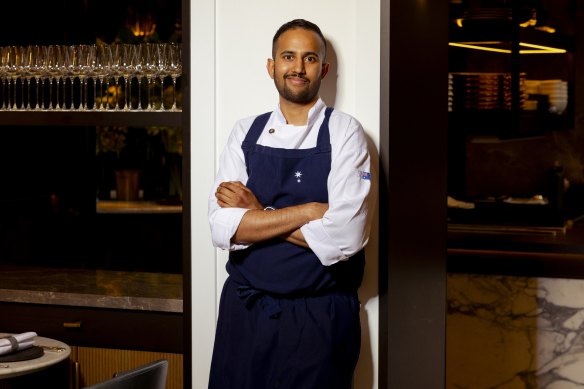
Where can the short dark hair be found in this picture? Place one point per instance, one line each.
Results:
(294, 24)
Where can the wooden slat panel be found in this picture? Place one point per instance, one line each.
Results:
(98, 364)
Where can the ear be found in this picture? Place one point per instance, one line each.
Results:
(270, 68)
(324, 70)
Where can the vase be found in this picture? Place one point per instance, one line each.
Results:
(127, 184)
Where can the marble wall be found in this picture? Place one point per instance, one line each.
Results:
(515, 333)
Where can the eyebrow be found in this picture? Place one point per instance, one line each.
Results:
(285, 52)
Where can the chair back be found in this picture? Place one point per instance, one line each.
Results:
(149, 376)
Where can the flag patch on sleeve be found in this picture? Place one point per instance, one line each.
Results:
(364, 175)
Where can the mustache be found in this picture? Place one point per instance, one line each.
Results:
(296, 75)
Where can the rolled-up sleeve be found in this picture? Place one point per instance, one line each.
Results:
(225, 221)
(343, 230)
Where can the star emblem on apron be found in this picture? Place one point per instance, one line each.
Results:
(298, 174)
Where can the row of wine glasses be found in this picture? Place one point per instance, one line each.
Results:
(124, 77)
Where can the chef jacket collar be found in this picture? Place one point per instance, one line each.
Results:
(313, 114)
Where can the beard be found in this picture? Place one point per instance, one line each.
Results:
(302, 96)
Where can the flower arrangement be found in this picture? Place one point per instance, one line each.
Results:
(111, 139)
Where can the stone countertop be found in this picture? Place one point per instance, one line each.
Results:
(135, 207)
(530, 252)
(568, 239)
(92, 288)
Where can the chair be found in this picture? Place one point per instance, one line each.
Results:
(149, 376)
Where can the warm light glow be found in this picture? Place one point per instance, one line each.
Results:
(478, 47)
(530, 23)
(534, 49)
(143, 27)
(540, 49)
(548, 29)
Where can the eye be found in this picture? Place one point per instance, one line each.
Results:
(311, 59)
(288, 57)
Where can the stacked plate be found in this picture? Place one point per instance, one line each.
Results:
(482, 91)
(480, 16)
(450, 93)
(488, 14)
(555, 90)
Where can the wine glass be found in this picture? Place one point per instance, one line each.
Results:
(103, 60)
(32, 67)
(128, 70)
(81, 66)
(138, 73)
(173, 68)
(3, 75)
(23, 66)
(46, 77)
(87, 69)
(160, 68)
(151, 62)
(56, 64)
(117, 70)
(73, 69)
(11, 71)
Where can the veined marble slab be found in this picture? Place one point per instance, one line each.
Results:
(92, 288)
(515, 332)
(91, 300)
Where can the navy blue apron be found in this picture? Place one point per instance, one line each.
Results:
(285, 320)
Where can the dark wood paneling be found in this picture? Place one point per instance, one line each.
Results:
(106, 328)
(413, 219)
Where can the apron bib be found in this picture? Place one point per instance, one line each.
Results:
(280, 178)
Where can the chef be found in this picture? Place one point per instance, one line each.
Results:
(290, 204)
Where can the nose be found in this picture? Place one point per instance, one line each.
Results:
(299, 66)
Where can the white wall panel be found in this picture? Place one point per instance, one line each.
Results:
(243, 32)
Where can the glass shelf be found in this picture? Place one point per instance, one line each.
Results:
(90, 118)
(135, 207)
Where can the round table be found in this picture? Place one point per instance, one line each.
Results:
(55, 352)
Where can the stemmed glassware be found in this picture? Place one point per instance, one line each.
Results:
(173, 68)
(82, 67)
(46, 77)
(57, 77)
(103, 65)
(160, 67)
(56, 65)
(129, 59)
(11, 71)
(152, 63)
(138, 72)
(118, 69)
(87, 72)
(73, 70)
(24, 61)
(146, 70)
(3, 76)
(36, 62)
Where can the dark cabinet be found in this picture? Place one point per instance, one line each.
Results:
(512, 101)
(57, 212)
(53, 171)
(511, 69)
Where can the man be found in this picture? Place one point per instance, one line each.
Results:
(290, 203)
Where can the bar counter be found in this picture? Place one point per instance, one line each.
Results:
(140, 291)
(530, 251)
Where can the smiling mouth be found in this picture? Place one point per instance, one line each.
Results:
(297, 79)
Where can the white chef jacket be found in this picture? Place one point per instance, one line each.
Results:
(344, 229)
